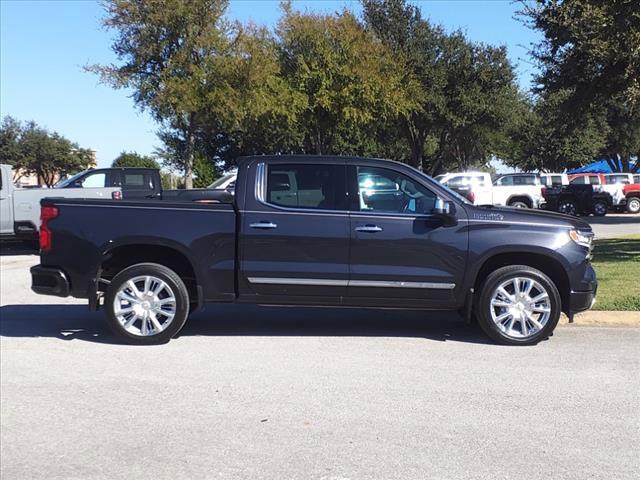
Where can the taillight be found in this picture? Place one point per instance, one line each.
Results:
(117, 195)
(543, 191)
(471, 196)
(46, 214)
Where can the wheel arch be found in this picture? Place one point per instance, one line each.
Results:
(126, 253)
(545, 262)
(520, 197)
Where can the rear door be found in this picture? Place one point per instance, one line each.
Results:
(401, 254)
(294, 233)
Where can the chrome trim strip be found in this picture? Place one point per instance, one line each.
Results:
(144, 208)
(299, 281)
(398, 284)
(350, 283)
(260, 182)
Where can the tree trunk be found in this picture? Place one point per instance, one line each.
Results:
(189, 154)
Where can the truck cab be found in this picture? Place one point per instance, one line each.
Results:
(134, 182)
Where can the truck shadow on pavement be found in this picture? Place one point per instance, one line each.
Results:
(75, 322)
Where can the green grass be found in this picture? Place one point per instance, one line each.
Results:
(617, 265)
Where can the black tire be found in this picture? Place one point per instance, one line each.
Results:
(483, 304)
(568, 207)
(600, 208)
(519, 204)
(633, 204)
(174, 282)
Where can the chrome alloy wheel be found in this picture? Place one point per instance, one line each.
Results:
(520, 307)
(144, 306)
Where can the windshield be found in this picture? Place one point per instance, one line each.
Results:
(222, 181)
(68, 181)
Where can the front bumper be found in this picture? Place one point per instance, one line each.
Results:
(581, 301)
(49, 281)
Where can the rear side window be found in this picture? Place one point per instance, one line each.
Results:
(320, 187)
(556, 180)
(524, 180)
(465, 181)
(138, 180)
(636, 179)
(618, 179)
(551, 180)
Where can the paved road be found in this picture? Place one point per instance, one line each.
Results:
(309, 394)
(615, 225)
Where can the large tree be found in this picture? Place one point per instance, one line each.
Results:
(172, 55)
(464, 99)
(31, 149)
(590, 57)
(345, 78)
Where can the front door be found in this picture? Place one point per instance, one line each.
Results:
(294, 239)
(401, 254)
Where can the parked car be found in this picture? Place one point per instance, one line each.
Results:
(20, 207)
(618, 178)
(325, 241)
(514, 190)
(577, 200)
(134, 182)
(599, 183)
(632, 197)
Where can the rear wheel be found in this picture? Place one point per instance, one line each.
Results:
(633, 205)
(600, 208)
(519, 204)
(146, 304)
(568, 207)
(518, 305)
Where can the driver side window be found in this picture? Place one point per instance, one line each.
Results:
(387, 191)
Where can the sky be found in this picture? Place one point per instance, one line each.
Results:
(45, 44)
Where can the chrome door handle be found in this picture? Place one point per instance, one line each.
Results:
(263, 225)
(369, 229)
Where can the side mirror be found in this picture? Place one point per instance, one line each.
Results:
(445, 211)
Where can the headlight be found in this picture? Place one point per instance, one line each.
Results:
(582, 237)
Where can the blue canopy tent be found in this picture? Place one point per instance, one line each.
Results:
(601, 166)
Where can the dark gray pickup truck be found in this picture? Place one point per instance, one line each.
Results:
(317, 230)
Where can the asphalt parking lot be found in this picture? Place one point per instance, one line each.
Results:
(615, 224)
(288, 393)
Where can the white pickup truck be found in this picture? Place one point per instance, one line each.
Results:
(522, 190)
(20, 207)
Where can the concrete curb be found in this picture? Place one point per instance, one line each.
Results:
(604, 319)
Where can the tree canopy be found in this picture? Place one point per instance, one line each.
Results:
(135, 160)
(31, 149)
(391, 83)
(589, 83)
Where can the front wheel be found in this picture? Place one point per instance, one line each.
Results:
(600, 208)
(568, 207)
(146, 304)
(633, 205)
(518, 305)
(519, 204)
